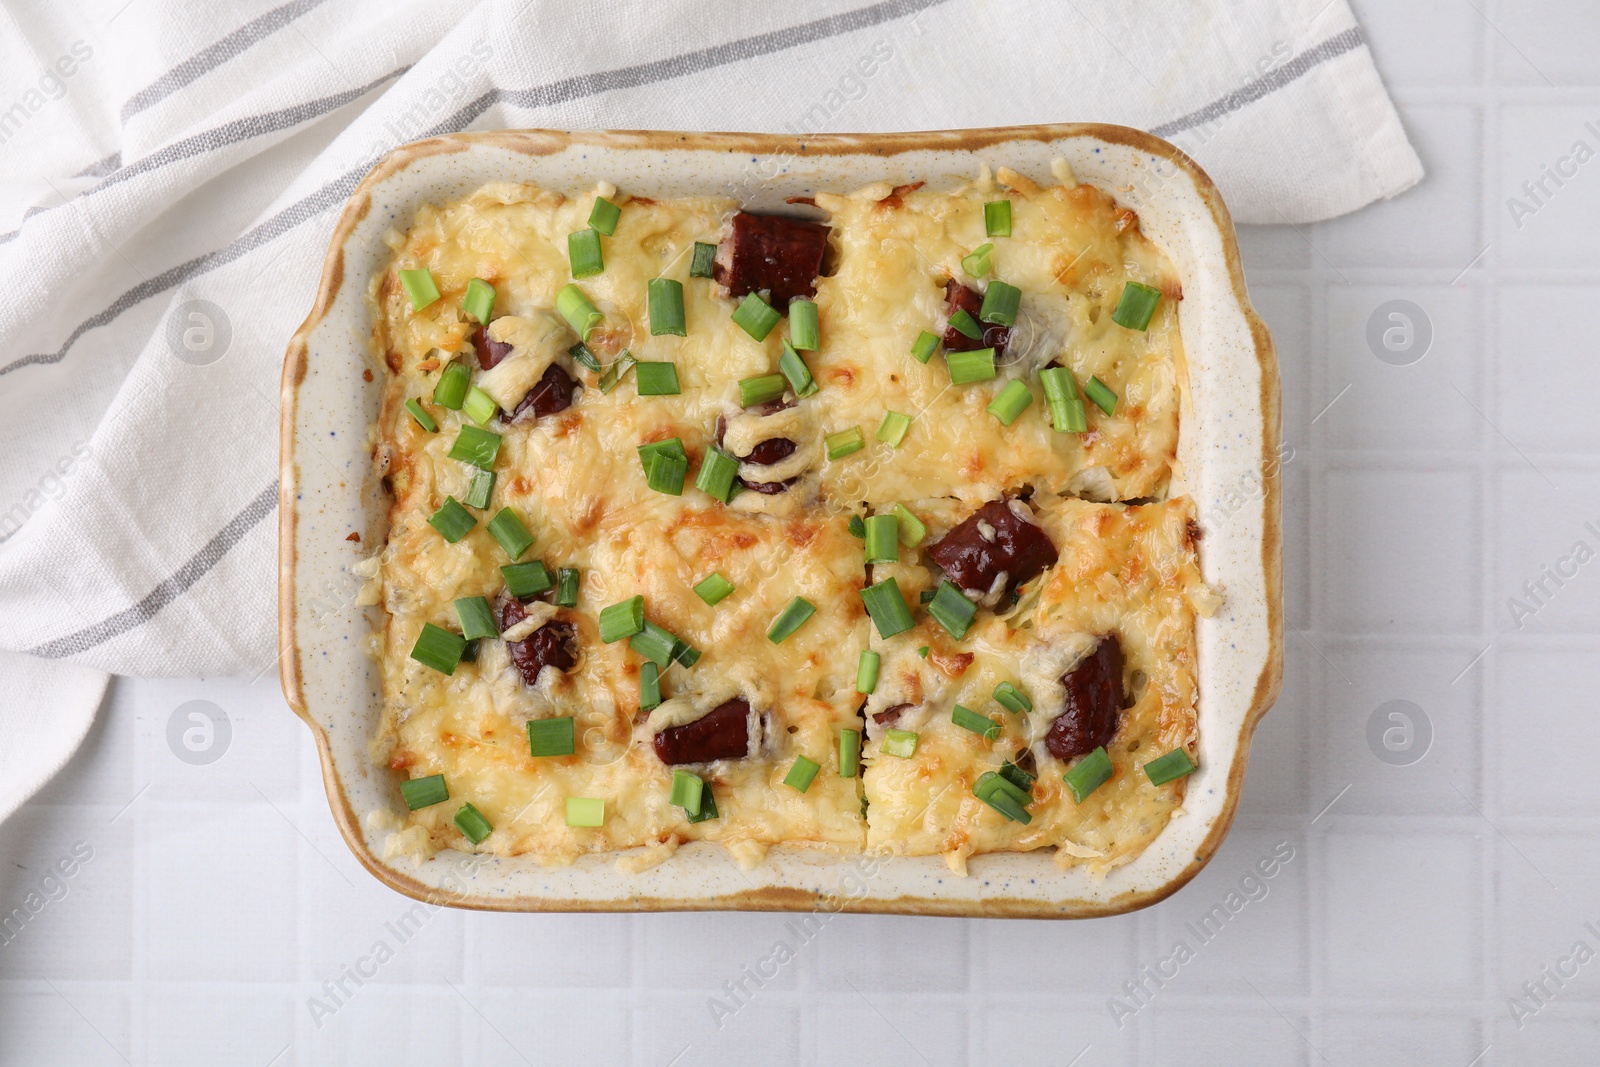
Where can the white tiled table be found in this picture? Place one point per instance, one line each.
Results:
(1419, 898)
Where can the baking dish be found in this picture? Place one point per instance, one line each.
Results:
(1227, 455)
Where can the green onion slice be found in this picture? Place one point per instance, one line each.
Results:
(581, 315)
(1010, 401)
(581, 355)
(454, 381)
(1000, 303)
(479, 488)
(902, 743)
(1017, 776)
(997, 218)
(420, 413)
(622, 365)
(687, 790)
(790, 619)
(718, 475)
(656, 644)
(761, 390)
(583, 252)
(551, 737)
(452, 520)
(912, 530)
(974, 366)
(479, 406)
(603, 216)
(888, 608)
(923, 347)
(756, 317)
(1172, 766)
(508, 528)
(867, 672)
(794, 369)
(966, 325)
(650, 687)
(803, 330)
(1101, 394)
(883, 538)
(713, 589)
(424, 792)
(977, 262)
(1003, 796)
(968, 719)
(476, 618)
(476, 446)
(420, 287)
(849, 753)
(479, 301)
(1061, 395)
(845, 442)
(1088, 774)
(567, 587)
(856, 527)
(665, 299)
(951, 609)
(892, 430)
(526, 579)
(586, 811)
(705, 258)
(470, 821)
(801, 773)
(656, 378)
(622, 619)
(438, 648)
(708, 808)
(666, 472)
(1136, 306)
(1012, 699)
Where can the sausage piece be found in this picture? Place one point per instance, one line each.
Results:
(548, 646)
(773, 252)
(722, 733)
(552, 394)
(971, 560)
(767, 452)
(489, 352)
(1094, 703)
(889, 716)
(968, 299)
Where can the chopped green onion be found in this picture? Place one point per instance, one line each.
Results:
(622, 365)
(977, 262)
(469, 652)
(581, 315)
(997, 218)
(479, 301)
(845, 442)
(476, 618)
(1000, 303)
(974, 366)
(438, 648)
(479, 488)
(622, 619)
(951, 609)
(708, 808)
(1136, 306)
(687, 790)
(424, 792)
(583, 252)
(849, 753)
(470, 821)
(1061, 394)
(802, 772)
(705, 258)
(888, 608)
(761, 390)
(551, 737)
(420, 413)
(1017, 776)
(1003, 796)
(508, 528)
(666, 472)
(479, 406)
(420, 287)
(1012, 699)
(717, 475)
(1172, 766)
(586, 811)
(923, 347)
(1088, 774)
(923, 652)
(803, 331)
(567, 587)
(650, 687)
(656, 378)
(713, 589)
(665, 298)
(1101, 394)
(648, 452)
(867, 671)
(966, 325)
(1010, 401)
(685, 655)
(580, 354)
(526, 579)
(912, 531)
(656, 644)
(892, 430)
(476, 446)
(603, 216)
(856, 527)
(883, 538)
(902, 743)
(968, 719)
(452, 520)
(790, 619)
(925, 597)
(453, 384)
(756, 317)
(795, 370)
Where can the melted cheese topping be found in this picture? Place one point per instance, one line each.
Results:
(576, 480)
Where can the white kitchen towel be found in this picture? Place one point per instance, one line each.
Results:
(172, 172)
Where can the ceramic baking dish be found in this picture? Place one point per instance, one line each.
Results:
(1228, 451)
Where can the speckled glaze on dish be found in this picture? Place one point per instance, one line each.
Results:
(1228, 461)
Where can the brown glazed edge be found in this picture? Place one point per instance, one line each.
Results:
(775, 898)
